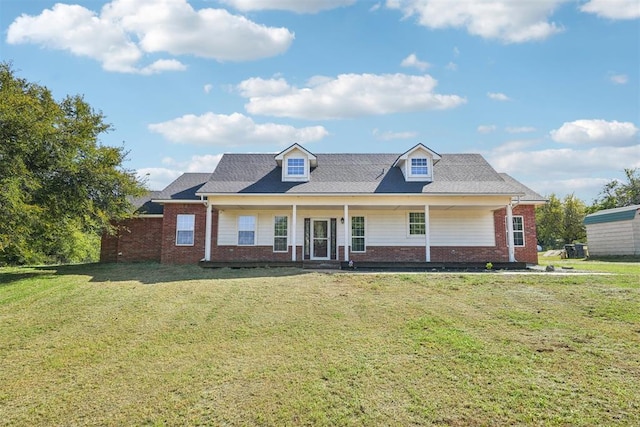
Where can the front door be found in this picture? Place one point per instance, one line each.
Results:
(320, 239)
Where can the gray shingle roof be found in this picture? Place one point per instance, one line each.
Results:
(184, 188)
(359, 173)
(144, 205)
(529, 194)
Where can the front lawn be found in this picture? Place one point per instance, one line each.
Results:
(145, 344)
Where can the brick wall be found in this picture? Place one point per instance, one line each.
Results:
(172, 254)
(137, 239)
(109, 248)
(529, 252)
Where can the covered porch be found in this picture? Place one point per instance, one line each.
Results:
(362, 229)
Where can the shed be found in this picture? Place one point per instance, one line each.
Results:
(614, 231)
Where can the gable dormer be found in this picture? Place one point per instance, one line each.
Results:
(417, 163)
(296, 163)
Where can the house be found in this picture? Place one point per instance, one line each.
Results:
(294, 206)
(614, 231)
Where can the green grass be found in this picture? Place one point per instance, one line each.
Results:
(145, 344)
(619, 265)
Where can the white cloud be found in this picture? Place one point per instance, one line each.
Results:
(563, 171)
(233, 130)
(413, 61)
(388, 135)
(599, 132)
(205, 163)
(486, 128)
(125, 31)
(613, 9)
(159, 178)
(520, 129)
(207, 88)
(619, 79)
(256, 86)
(347, 95)
(497, 96)
(511, 21)
(451, 66)
(298, 6)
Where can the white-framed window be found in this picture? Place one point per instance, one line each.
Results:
(416, 224)
(185, 229)
(357, 234)
(246, 230)
(419, 166)
(518, 230)
(280, 234)
(296, 166)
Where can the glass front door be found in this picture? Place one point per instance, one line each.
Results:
(320, 239)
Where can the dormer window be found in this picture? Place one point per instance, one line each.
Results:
(296, 164)
(295, 167)
(419, 166)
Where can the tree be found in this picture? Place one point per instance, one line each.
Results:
(617, 194)
(560, 222)
(550, 222)
(59, 187)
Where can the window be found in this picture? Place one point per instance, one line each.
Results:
(246, 230)
(416, 223)
(280, 234)
(295, 167)
(185, 226)
(357, 234)
(518, 231)
(419, 166)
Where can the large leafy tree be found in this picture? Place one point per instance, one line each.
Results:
(550, 222)
(559, 222)
(59, 187)
(573, 220)
(618, 194)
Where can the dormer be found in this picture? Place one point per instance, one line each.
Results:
(417, 163)
(296, 163)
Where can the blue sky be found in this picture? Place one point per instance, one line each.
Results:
(547, 90)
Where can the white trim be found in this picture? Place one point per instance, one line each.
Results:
(408, 225)
(188, 202)
(346, 232)
(377, 195)
(192, 230)
(363, 237)
(286, 236)
(427, 237)
(294, 224)
(517, 231)
(510, 245)
(207, 237)
(147, 216)
(255, 230)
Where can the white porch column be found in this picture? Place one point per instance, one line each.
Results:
(346, 232)
(294, 215)
(207, 237)
(427, 239)
(510, 243)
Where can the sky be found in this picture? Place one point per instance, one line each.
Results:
(547, 91)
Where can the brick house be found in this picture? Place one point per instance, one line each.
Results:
(295, 206)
